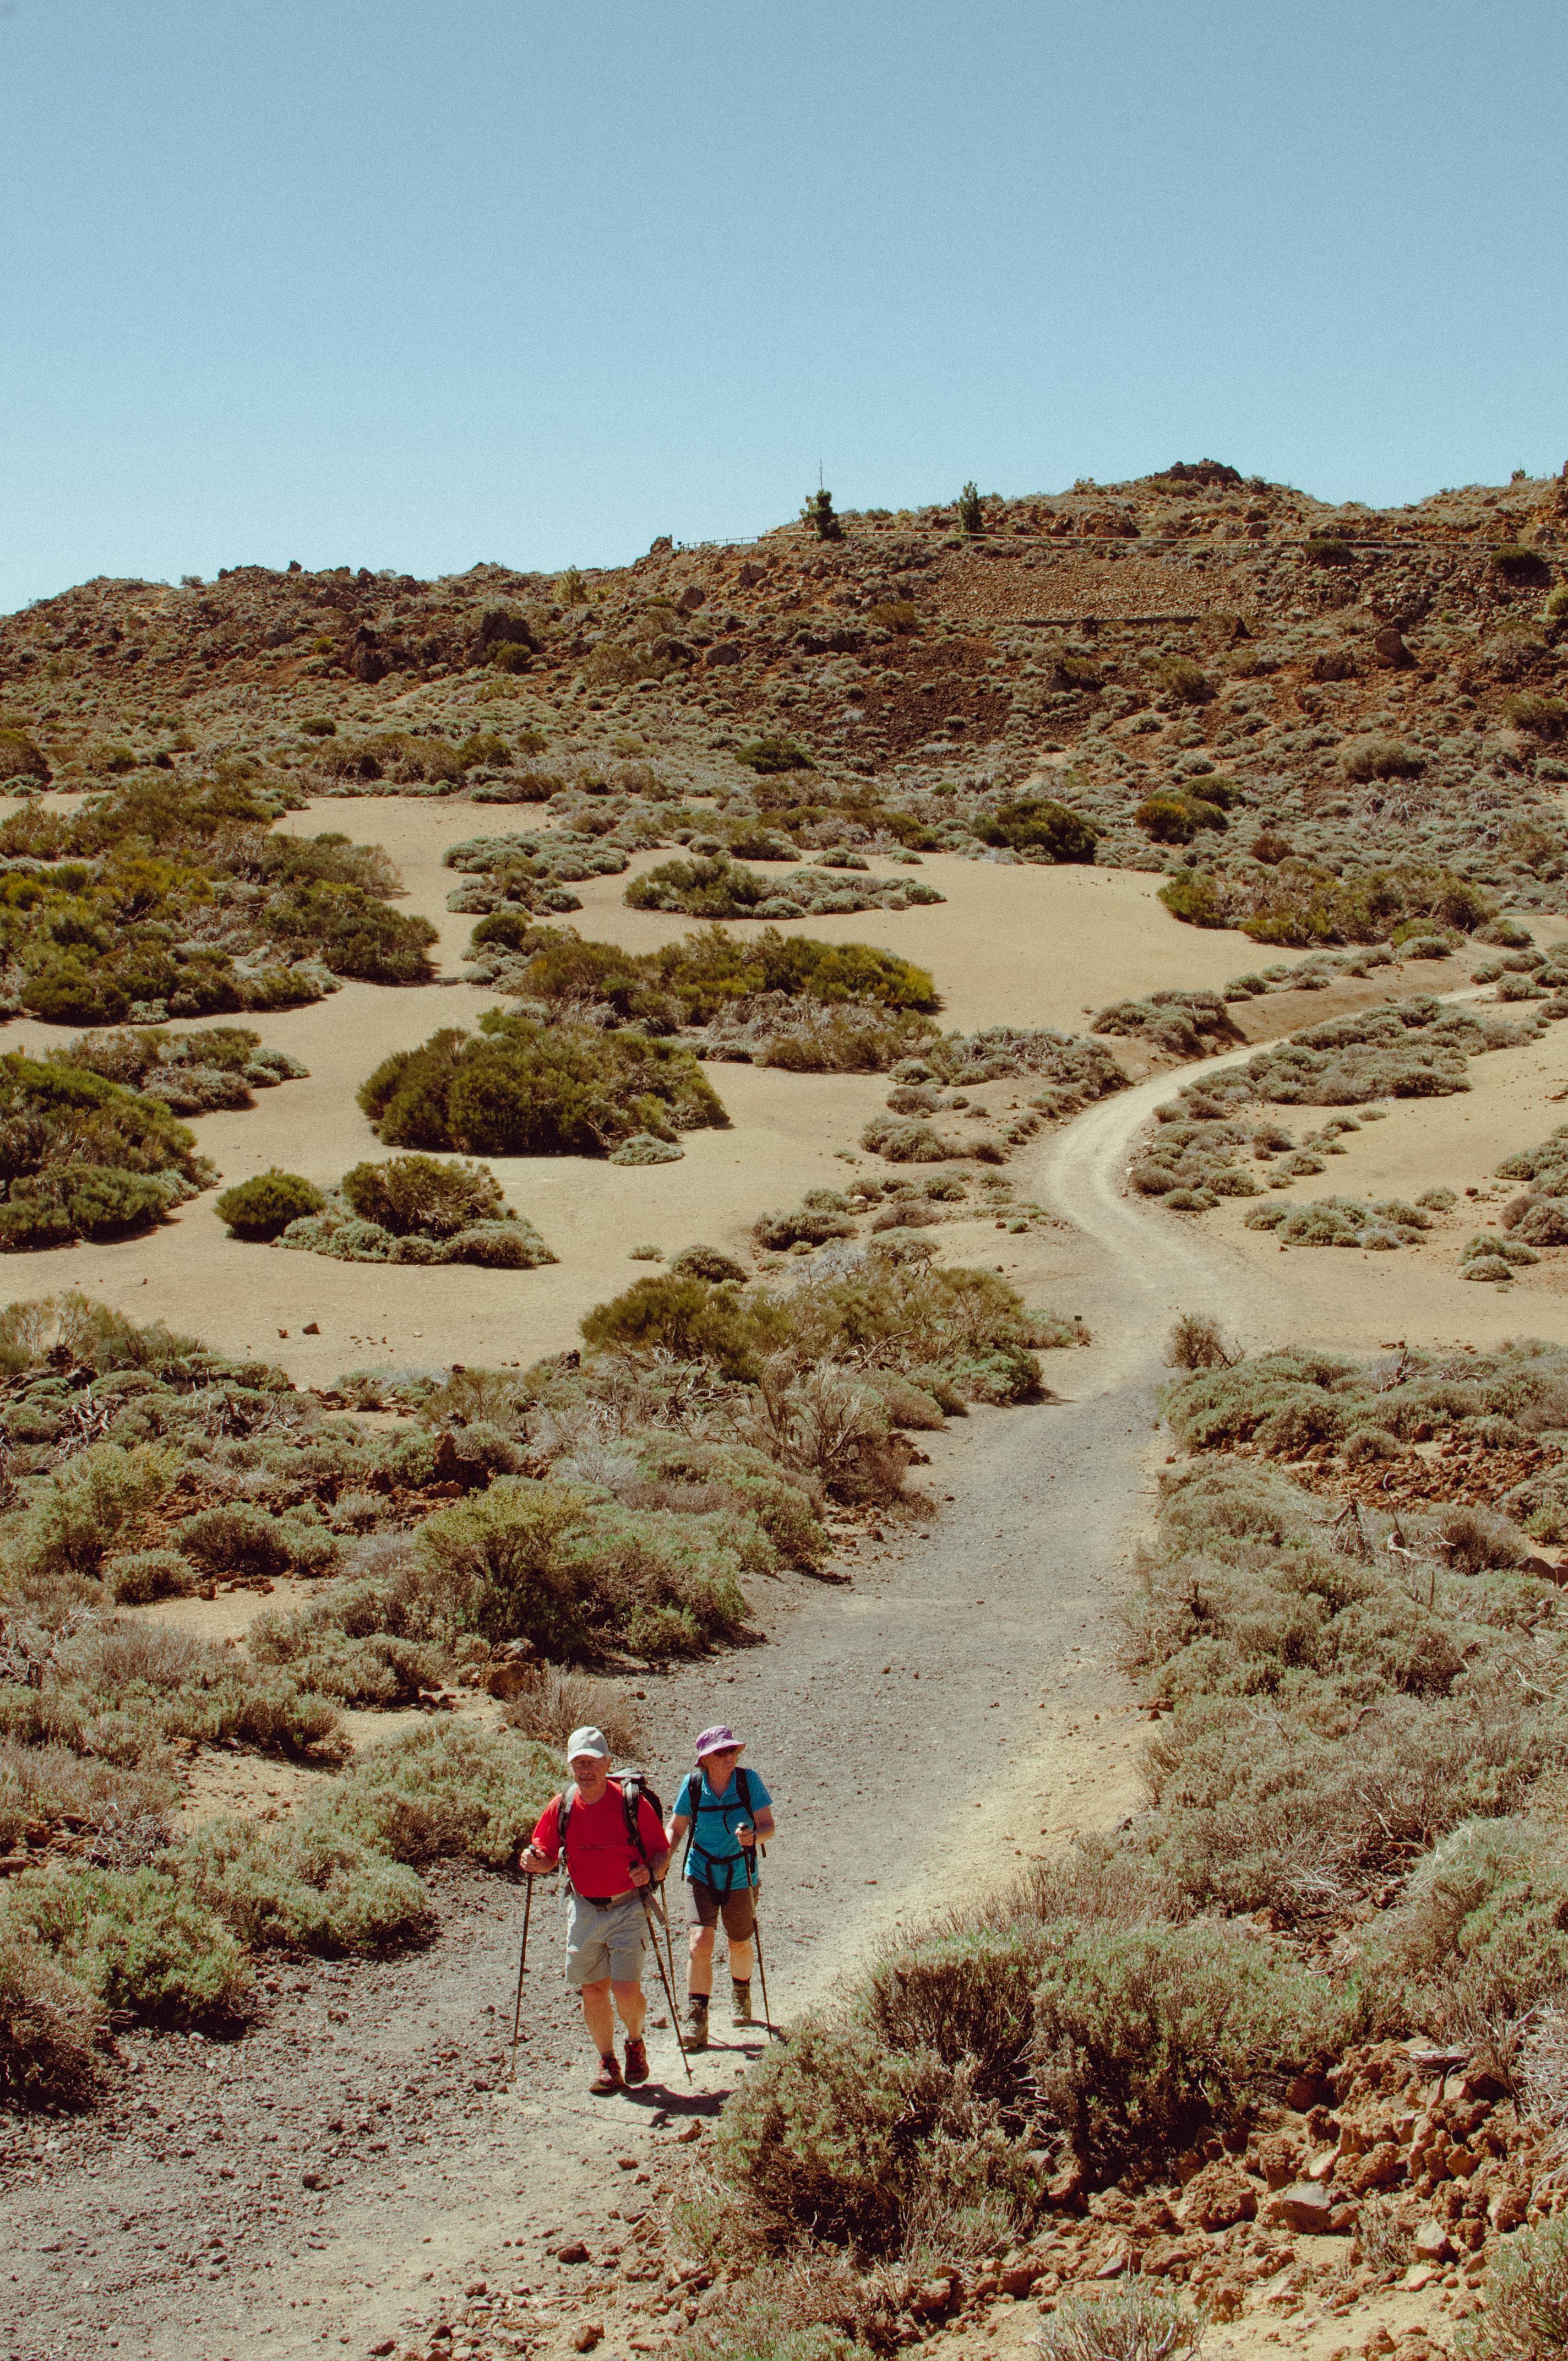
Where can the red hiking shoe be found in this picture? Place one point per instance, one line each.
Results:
(608, 2080)
(636, 2061)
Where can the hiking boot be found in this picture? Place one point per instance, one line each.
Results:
(740, 2003)
(608, 2080)
(636, 2060)
(696, 2024)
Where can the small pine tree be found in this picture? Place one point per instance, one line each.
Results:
(817, 513)
(971, 516)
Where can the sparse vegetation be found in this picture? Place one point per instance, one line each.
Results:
(163, 897)
(722, 888)
(521, 1087)
(416, 1208)
(84, 1157)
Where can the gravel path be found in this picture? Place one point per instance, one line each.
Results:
(358, 2160)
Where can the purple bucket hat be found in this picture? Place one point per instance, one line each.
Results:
(714, 1741)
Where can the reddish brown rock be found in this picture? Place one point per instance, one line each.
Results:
(1218, 2196)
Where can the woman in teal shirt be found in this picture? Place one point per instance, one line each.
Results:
(722, 1810)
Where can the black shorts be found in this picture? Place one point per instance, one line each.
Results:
(706, 1904)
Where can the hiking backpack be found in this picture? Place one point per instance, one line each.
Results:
(634, 1789)
(743, 1789)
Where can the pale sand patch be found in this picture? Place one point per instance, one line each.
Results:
(1344, 1297)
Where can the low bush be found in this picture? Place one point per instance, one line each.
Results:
(137, 1942)
(1296, 903)
(118, 925)
(415, 1209)
(838, 2136)
(83, 1156)
(770, 756)
(1524, 2315)
(447, 1792)
(1145, 2036)
(524, 1088)
(1478, 1939)
(306, 1885)
(1131, 2322)
(263, 1208)
(50, 2024)
(560, 1702)
(1041, 828)
(548, 1563)
(721, 888)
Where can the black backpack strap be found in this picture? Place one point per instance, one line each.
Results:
(630, 1798)
(563, 1813)
(743, 1785)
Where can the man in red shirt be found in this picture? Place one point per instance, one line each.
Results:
(607, 1924)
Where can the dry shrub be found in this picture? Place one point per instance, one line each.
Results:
(1136, 2321)
(837, 2136)
(814, 2305)
(1477, 1941)
(1525, 2317)
(1144, 2036)
(560, 1702)
(49, 2026)
(1196, 1343)
(1477, 1538)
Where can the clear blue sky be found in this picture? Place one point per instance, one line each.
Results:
(428, 282)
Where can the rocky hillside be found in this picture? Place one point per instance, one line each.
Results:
(1215, 673)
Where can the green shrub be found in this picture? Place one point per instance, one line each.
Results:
(689, 1317)
(1477, 1938)
(1130, 2321)
(1145, 2036)
(1381, 758)
(238, 1537)
(1543, 716)
(807, 1225)
(20, 758)
(525, 1088)
(1038, 824)
(971, 514)
(1524, 2315)
(82, 1156)
(816, 515)
(447, 1791)
(1181, 677)
(263, 1208)
(706, 1262)
(966, 1998)
(306, 1884)
(49, 2025)
(418, 1193)
(146, 1574)
(703, 889)
(1515, 562)
(138, 1943)
(1328, 549)
(85, 1506)
(771, 756)
(837, 2136)
(498, 1560)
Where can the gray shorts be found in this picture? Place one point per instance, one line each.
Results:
(606, 1941)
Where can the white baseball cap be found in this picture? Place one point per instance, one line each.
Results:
(587, 1740)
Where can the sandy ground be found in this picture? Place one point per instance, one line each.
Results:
(1011, 944)
(1329, 1295)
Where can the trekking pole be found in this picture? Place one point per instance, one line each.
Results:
(663, 1979)
(757, 1938)
(523, 1963)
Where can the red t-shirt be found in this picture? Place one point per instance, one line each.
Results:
(600, 1857)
